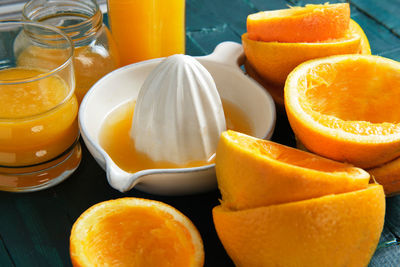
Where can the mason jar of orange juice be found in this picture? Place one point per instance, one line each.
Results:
(38, 112)
(95, 53)
(146, 29)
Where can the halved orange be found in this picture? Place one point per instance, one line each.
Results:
(365, 48)
(388, 175)
(252, 172)
(275, 91)
(333, 230)
(273, 61)
(135, 232)
(346, 108)
(312, 23)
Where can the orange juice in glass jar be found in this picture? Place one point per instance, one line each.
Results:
(38, 111)
(147, 29)
(95, 52)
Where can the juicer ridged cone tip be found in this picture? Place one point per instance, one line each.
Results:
(178, 115)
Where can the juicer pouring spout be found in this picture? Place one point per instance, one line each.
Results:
(120, 179)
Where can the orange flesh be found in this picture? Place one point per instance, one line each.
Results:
(31, 140)
(138, 236)
(357, 100)
(292, 156)
(115, 140)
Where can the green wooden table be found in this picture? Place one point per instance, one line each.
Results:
(35, 227)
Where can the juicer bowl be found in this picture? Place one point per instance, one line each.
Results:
(123, 85)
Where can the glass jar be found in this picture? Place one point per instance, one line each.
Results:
(38, 113)
(95, 52)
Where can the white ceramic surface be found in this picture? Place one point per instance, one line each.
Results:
(123, 85)
(178, 113)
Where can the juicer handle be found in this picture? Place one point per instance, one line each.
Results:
(228, 53)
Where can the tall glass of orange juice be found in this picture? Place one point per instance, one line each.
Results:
(38, 113)
(145, 29)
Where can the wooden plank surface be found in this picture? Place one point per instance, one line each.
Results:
(35, 227)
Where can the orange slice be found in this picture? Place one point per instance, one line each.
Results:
(312, 23)
(334, 230)
(135, 232)
(346, 108)
(252, 172)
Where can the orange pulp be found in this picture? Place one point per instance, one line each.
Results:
(37, 122)
(115, 139)
(147, 29)
(153, 235)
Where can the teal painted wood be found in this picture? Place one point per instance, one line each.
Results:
(211, 14)
(393, 217)
(5, 259)
(388, 253)
(205, 38)
(262, 5)
(35, 227)
(381, 39)
(353, 9)
(385, 12)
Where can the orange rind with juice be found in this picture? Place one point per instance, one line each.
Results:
(365, 48)
(284, 207)
(135, 232)
(312, 23)
(273, 61)
(388, 175)
(345, 108)
(333, 230)
(275, 91)
(248, 167)
(267, 66)
(277, 41)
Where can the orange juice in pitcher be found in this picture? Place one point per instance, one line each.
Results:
(147, 29)
(95, 53)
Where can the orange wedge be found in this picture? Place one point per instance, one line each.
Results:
(346, 108)
(312, 23)
(333, 230)
(135, 232)
(252, 172)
